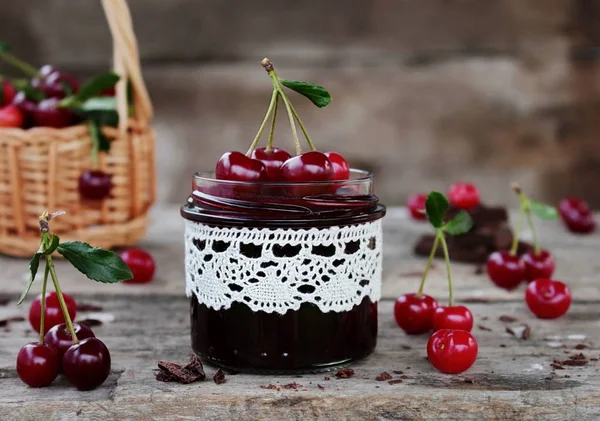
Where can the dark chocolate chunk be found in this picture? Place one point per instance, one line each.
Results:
(219, 377)
(383, 376)
(344, 373)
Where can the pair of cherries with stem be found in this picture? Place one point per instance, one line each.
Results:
(275, 164)
(70, 348)
(452, 348)
(546, 298)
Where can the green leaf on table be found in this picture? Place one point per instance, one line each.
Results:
(542, 211)
(435, 207)
(102, 110)
(101, 142)
(317, 94)
(97, 264)
(53, 245)
(31, 93)
(94, 86)
(460, 224)
(34, 264)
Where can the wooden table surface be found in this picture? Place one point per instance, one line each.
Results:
(512, 378)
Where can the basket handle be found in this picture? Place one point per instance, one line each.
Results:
(127, 63)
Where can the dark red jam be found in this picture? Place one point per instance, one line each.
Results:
(302, 340)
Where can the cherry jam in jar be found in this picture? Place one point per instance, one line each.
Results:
(283, 277)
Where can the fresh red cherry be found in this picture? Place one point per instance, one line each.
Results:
(141, 264)
(506, 270)
(53, 313)
(238, 167)
(341, 169)
(52, 82)
(27, 107)
(414, 312)
(272, 159)
(416, 206)
(464, 195)
(310, 166)
(37, 364)
(49, 114)
(94, 185)
(8, 92)
(452, 351)
(11, 116)
(87, 364)
(548, 299)
(577, 215)
(455, 317)
(540, 265)
(60, 339)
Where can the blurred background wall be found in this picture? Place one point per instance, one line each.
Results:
(425, 92)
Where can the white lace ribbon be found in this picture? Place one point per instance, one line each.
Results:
(276, 270)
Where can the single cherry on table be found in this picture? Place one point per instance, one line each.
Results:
(548, 299)
(414, 313)
(577, 215)
(94, 184)
(53, 313)
(464, 195)
(538, 265)
(11, 116)
(506, 270)
(37, 364)
(416, 206)
(87, 363)
(141, 263)
(452, 317)
(59, 338)
(272, 159)
(452, 351)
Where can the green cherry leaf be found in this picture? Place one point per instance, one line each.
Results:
(94, 87)
(100, 140)
(53, 245)
(102, 110)
(460, 224)
(542, 211)
(317, 94)
(97, 264)
(435, 207)
(34, 264)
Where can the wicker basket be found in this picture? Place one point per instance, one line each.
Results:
(40, 167)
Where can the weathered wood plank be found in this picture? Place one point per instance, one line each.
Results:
(508, 382)
(576, 263)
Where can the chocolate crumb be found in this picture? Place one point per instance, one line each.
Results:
(396, 381)
(502, 346)
(320, 387)
(593, 359)
(406, 347)
(469, 380)
(383, 376)
(270, 386)
(376, 387)
(507, 319)
(219, 377)
(292, 385)
(90, 322)
(326, 378)
(479, 270)
(405, 377)
(579, 356)
(525, 333)
(408, 368)
(485, 318)
(547, 378)
(344, 373)
(567, 376)
(397, 371)
(557, 366)
(88, 307)
(5, 322)
(4, 299)
(580, 346)
(482, 327)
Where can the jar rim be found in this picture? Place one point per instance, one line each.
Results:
(357, 176)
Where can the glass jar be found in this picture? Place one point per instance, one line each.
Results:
(283, 277)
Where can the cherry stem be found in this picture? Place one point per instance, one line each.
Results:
(524, 203)
(43, 304)
(272, 130)
(436, 243)
(439, 234)
(19, 64)
(95, 135)
(515, 242)
(61, 300)
(264, 123)
(311, 145)
(266, 63)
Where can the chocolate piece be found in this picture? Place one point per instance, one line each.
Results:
(383, 376)
(344, 373)
(219, 377)
(172, 372)
(491, 232)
